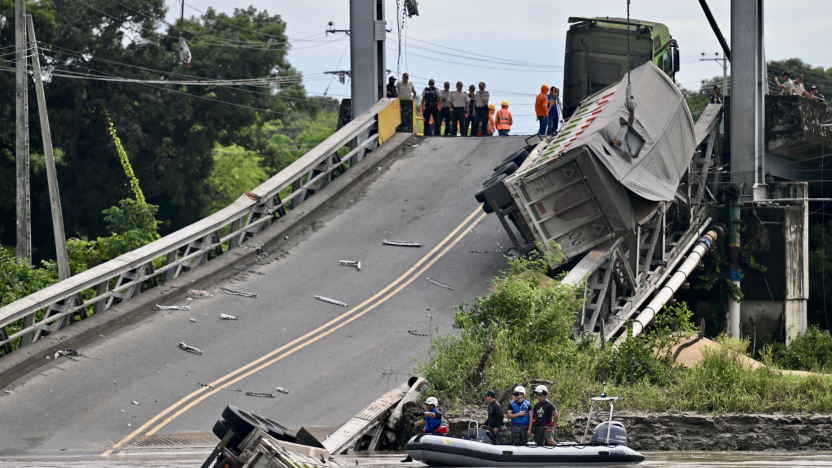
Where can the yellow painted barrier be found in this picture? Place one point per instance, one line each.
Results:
(388, 119)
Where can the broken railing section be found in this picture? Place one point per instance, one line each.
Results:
(376, 425)
(127, 276)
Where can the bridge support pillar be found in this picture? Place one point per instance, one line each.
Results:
(368, 58)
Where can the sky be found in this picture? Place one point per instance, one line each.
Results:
(529, 31)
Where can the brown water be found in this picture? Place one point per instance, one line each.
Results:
(653, 459)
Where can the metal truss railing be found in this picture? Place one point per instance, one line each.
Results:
(128, 275)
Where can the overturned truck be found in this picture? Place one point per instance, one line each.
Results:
(619, 187)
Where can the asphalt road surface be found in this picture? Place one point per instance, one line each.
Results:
(333, 360)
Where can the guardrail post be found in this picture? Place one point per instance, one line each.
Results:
(296, 185)
(171, 258)
(235, 241)
(28, 321)
(100, 290)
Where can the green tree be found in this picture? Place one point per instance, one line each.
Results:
(169, 132)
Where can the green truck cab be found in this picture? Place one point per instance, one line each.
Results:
(596, 54)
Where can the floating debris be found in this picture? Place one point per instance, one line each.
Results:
(8, 391)
(238, 293)
(173, 307)
(352, 264)
(264, 395)
(240, 267)
(440, 284)
(190, 349)
(227, 317)
(402, 243)
(331, 301)
(193, 320)
(413, 332)
(135, 402)
(200, 292)
(220, 388)
(282, 390)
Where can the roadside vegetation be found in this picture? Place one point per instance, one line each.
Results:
(522, 332)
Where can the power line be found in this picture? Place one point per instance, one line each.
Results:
(490, 57)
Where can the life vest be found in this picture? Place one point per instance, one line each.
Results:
(431, 97)
(503, 119)
(433, 424)
(518, 407)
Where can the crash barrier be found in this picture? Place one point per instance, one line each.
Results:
(118, 280)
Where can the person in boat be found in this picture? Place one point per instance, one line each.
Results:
(518, 412)
(432, 416)
(544, 418)
(495, 421)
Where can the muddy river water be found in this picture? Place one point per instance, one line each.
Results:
(653, 459)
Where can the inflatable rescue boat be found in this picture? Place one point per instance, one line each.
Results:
(607, 447)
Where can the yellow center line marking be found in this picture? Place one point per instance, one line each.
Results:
(217, 382)
(301, 346)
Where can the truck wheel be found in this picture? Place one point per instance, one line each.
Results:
(507, 169)
(517, 158)
(288, 435)
(480, 196)
(221, 429)
(240, 420)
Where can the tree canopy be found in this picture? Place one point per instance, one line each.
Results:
(170, 132)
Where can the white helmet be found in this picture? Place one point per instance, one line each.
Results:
(542, 390)
(432, 401)
(519, 389)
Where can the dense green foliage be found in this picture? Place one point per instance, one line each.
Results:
(169, 132)
(811, 351)
(522, 331)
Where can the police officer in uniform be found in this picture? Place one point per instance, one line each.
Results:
(518, 412)
(469, 119)
(430, 101)
(460, 105)
(481, 111)
(445, 109)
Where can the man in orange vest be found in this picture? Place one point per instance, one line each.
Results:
(503, 120)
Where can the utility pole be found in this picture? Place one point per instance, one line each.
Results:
(49, 157)
(23, 216)
(724, 61)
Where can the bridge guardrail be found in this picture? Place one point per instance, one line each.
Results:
(188, 248)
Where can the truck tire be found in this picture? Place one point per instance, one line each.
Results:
(221, 429)
(240, 420)
(277, 430)
(480, 196)
(517, 158)
(508, 169)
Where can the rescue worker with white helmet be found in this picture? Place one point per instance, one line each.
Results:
(432, 416)
(544, 418)
(518, 413)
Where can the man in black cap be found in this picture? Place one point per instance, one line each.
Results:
(445, 109)
(816, 95)
(392, 92)
(469, 117)
(430, 107)
(496, 420)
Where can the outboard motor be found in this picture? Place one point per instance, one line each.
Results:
(617, 434)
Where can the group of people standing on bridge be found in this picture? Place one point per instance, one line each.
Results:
(527, 420)
(467, 113)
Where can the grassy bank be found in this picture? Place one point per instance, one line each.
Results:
(522, 331)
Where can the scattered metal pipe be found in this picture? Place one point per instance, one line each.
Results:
(331, 301)
(402, 243)
(352, 264)
(676, 280)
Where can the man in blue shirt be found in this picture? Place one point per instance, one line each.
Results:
(518, 412)
(432, 416)
(554, 105)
